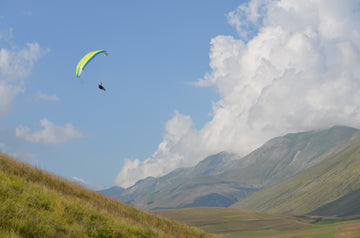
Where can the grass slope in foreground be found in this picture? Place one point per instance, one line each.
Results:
(35, 203)
(231, 223)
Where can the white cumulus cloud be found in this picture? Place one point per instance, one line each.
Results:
(50, 134)
(293, 67)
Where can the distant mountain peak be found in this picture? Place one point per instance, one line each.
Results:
(214, 164)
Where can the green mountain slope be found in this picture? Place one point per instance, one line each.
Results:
(336, 177)
(284, 156)
(37, 204)
(347, 205)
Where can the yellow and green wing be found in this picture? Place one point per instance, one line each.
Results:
(86, 59)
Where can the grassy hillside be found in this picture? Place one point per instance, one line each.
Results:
(336, 176)
(35, 203)
(231, 223)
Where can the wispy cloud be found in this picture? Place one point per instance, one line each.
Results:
(50, 134)
(15, 66)
(40, 96)
(295, 67)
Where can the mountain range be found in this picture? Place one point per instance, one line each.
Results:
(270, 179)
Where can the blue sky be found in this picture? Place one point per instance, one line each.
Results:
(183, 79)
(155, 49)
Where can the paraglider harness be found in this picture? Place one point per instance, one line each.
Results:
(101, 87)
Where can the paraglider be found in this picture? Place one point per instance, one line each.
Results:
(101, 87)
(86, 59)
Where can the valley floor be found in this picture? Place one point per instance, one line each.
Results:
(231, 223)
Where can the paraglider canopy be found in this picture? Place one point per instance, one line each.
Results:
(86, 59)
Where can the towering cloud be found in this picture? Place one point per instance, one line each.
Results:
(293, 67)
